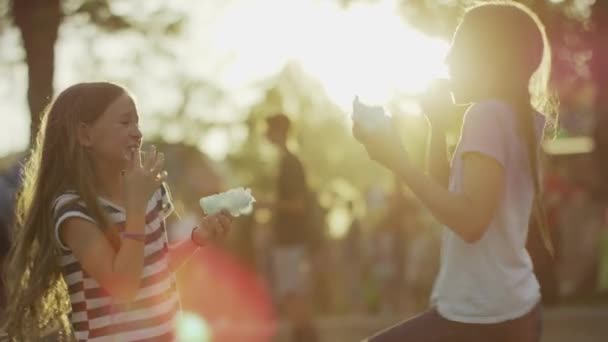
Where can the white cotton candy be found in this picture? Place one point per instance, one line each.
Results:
(237, 201)
(372, 119)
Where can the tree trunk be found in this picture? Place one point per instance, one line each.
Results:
(599, 70)
(38, 21)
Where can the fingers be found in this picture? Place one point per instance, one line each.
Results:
(136, 157)
(154, 162)
(222, 223)
(161, 177)
(358, 133)
(225, 220)
(159, 164)
(217, 225)
(356, 103)
(132, 157)
(149, 158)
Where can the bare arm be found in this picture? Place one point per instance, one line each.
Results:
(437, 158)
(211, 228)
(469, 212)
(438, 106)
(117, 272)
(180, 252)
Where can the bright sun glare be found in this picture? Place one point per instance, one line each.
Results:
(366, 50)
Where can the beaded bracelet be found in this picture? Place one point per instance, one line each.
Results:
(134, 236)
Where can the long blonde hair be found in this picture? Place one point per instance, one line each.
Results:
(513, 37)
(35, 289)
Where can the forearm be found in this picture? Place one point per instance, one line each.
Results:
(454, 210)
(437, 158)
(211, 228)
(180, 252)
(129, 260)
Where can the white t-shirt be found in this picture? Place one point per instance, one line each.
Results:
(491, 280)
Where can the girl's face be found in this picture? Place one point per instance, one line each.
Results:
(472, 73)
(115, 133)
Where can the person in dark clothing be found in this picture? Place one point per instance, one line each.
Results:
(353, 255)
(9, 183)
(291, 259)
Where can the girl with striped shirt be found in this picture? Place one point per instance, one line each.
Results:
(91, 237)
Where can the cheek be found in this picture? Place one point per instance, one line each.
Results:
(117, 135)
(467, 78)
(110, 141)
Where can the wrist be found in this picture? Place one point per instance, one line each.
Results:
(133, 236)
(196, 238)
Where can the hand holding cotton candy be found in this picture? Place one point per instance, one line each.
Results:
(372, 119)
(238, 201)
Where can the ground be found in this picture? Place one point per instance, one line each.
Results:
(561, 324)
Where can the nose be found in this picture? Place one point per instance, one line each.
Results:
(136, 134)
(450, 64)
(448, 58)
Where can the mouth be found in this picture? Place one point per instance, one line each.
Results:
(129, 149)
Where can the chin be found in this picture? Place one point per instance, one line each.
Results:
(120, 163)
(464, 95)
(461, 98)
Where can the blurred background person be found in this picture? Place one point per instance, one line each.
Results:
(293, 238)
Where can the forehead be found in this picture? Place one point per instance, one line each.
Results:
(464, 43)
(122, 105)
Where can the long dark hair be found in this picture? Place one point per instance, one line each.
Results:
(36, 292)
(513, 38)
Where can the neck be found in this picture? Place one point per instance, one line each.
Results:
(509, 96)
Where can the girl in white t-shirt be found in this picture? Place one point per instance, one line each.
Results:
(486, 289)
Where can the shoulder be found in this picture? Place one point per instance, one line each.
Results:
(67, 202)
(485, 128)
(293, 160)
(69, 211)
(487, 110)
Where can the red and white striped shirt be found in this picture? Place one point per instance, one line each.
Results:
(152, 315)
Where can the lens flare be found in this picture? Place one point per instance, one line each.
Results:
(193, 328)
(224, 299)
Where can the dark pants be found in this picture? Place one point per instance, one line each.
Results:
(431, 327)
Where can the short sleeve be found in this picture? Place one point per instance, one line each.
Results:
(165, 201)
(484, 131)
(68, 206)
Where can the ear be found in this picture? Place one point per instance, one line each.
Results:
(83, 132)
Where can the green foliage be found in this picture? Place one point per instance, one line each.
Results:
(337, 166)
(108, 16)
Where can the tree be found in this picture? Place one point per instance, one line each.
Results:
(39, 22)
(598, 68)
